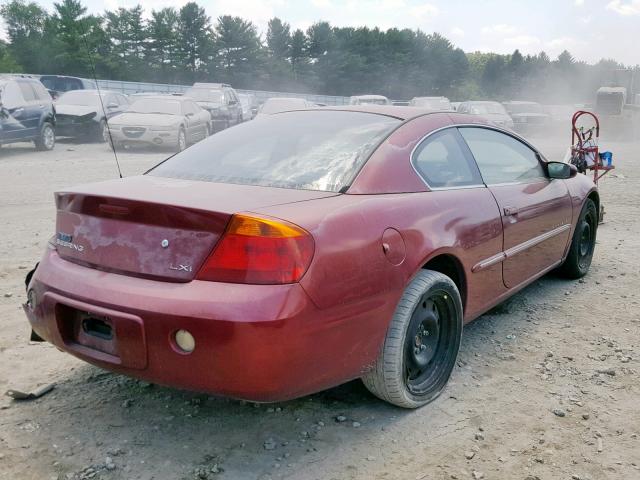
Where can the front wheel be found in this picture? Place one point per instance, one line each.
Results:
(182, 140)
(421, 345)
(583, 243)
(47, 138)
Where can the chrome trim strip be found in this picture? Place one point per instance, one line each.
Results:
(489, 262)
(513, 251)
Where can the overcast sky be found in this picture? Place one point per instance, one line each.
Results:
(589, 29)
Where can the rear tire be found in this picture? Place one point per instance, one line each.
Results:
(583, 243)
(47, 138)
(421, 345)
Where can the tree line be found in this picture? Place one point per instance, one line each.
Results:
(185, 45)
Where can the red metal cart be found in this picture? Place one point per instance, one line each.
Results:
(585, 152)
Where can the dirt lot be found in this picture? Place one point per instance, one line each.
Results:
(547, 385)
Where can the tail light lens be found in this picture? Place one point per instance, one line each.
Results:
(259, 250)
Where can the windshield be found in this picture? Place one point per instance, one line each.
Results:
(524, 108)
(311, 150)
(432, 103)
(372, 101)
(487, 109)
(78, 97)
(155, 105)
(277, 105)
(211, 95)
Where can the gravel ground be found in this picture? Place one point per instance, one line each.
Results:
(546, 385)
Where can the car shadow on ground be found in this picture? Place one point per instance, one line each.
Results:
(136, 418)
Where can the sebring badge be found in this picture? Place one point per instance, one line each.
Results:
(66, 240)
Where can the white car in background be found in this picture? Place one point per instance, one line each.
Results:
(369, 100)
(493, 111)
(247, 102)
(283, 104)
(436, 104)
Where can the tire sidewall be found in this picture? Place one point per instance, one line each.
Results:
(41, 143)
(450, 355)
(387, 379)
(574, 253)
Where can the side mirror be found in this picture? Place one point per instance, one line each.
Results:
(561, 170)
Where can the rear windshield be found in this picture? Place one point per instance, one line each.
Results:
(309, 150)
(488, 109)
(211, 95)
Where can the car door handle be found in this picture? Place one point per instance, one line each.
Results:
(510, 210)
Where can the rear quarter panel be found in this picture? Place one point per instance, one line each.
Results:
(350, 266)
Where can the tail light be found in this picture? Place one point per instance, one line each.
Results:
(260, 251)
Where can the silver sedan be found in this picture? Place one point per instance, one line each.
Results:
(161, 120)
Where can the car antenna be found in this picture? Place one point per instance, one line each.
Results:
(95, 79)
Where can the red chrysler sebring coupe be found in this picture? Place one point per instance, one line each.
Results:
(297, 252)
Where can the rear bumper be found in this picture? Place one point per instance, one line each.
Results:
(256, 342)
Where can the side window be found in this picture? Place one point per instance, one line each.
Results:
(187, 108)
(442, 162)
(500, 157)
(27, 92)
(463, 108)
(41, 92)
(11, 96)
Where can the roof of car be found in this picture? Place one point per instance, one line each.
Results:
(163, 97)
(520, 102)
(400, 112)
(370, 97)
(210, 85)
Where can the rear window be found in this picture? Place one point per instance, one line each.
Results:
(309, 150)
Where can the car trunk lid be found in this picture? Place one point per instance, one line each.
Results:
(153, 227)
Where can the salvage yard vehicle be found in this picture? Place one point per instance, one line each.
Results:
(288, 255)
(283, 104)
(369, 100)
(27, 113)
(84, 113)
(220, 100)
(528, 117)
(162, 120)
(248, 103)
(59, 84)
(493, 111)
(441, 104)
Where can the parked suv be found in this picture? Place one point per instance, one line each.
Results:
(220, 100)
(26, 112)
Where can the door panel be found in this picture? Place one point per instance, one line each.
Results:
(536, 211)
(32, 111)
(536, 218)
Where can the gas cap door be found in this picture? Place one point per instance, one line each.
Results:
(393, 246)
